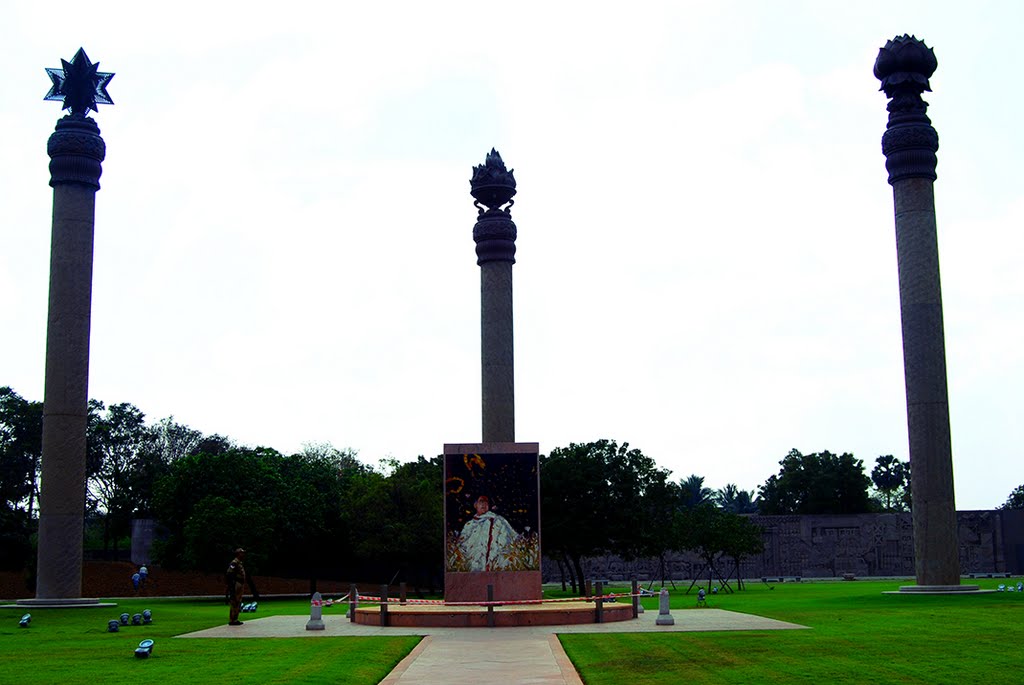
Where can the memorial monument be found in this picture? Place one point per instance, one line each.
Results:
(492, 488)
(909, 144)
(76, 152)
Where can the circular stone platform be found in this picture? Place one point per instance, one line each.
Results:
(69, 603)
(938, 590)
(443, 616)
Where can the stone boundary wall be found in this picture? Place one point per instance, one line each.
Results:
(827, 546)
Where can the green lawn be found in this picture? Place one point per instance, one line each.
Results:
(73, 646)
(858, 635)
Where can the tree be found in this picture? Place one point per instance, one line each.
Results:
(732, 499)
(593, 502)
(118, 440)
(1015, 500)
(21, 437)
(398, 520)
(163, 443)
(699, 530)
(212, 503)
(661, 503)
(21, 447)
(892, 479)
(693, 493)
(818, 483)
(741, 538)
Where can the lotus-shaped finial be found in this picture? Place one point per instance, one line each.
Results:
(905, 62)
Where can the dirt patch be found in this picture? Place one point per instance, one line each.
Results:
(114, 579)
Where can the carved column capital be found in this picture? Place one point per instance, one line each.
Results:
(495, 233)
(76, 152)
(909, 143)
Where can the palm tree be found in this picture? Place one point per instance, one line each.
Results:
(693, 493)
(732, 499)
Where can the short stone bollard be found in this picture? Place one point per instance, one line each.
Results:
(316, 613)
(664, 617)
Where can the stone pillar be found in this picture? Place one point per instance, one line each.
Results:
(316, 613)
(76, 151)
(664, 612)
(904, 66)
(495, 237)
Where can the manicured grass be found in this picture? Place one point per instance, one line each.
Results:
(858, 635)
(72, 646)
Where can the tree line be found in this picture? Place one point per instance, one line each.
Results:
(323, 512)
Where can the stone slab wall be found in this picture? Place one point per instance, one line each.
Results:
(829, 546)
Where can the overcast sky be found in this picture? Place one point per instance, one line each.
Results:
(706, 262)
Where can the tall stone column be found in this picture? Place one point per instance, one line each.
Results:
(904, 66)
(495, 235)
(76, 152)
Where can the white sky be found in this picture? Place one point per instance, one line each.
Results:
(706, 255)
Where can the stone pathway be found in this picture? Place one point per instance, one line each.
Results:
(528, 655)
(473, 657)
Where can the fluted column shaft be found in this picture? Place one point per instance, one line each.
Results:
(76, 152)
(495, 235)
(497, 358)
(909, 144)
(936, 551)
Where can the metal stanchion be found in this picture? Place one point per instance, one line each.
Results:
(490, 607)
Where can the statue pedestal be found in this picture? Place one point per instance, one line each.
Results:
(492, 521)
(508, 585)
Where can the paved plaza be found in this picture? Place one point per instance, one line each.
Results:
(528, 655)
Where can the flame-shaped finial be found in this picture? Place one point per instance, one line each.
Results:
(492, 184)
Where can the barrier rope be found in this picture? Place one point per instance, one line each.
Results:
(375, 599)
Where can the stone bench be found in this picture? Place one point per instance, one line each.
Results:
(780, 579)
(988, 575)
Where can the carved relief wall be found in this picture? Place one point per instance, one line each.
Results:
(829, 546)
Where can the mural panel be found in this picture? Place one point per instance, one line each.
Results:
(491, 513)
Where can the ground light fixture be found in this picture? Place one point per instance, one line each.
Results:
(124, 619)
(147, 616)
(144, 649)
(25, 620)
(136, 619)
(113, 625)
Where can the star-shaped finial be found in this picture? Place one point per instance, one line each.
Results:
(79, 84)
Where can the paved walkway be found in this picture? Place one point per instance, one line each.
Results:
(527, 655)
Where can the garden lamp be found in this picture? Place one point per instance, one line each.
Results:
(144, 649)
